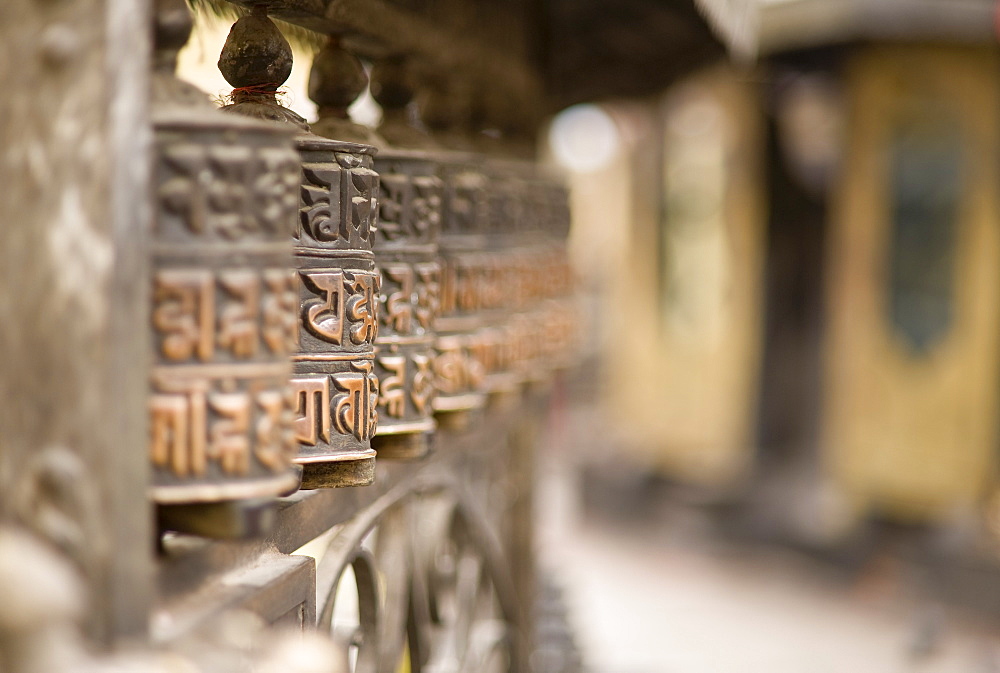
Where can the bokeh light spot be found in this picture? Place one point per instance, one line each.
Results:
(584, 138)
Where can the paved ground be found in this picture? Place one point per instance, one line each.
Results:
(670, 597)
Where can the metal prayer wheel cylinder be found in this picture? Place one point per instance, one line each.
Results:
(223, 308)
(335, 384)
(564, 321)
(510, 311)
(406, 247)
(542, 314)
(535, 307)
(458, 371)
(548, 285)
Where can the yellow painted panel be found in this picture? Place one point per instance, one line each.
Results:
(694, 342)
(907, 432)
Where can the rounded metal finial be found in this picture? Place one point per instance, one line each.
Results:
(172, 28)
(256, 60)
(392, 84)
(172, 24)
(336, 80)
(445, 108)
(256, 54)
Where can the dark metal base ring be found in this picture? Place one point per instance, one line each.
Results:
(403, 446)
(504, 399)
(457, 420)
(338, 473)
(226, 520)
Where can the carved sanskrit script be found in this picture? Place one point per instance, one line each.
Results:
(320, 215)
(455, 370)
(354, 409)
(200, 314)
(397, 313)
(345, 402)
(227, 192)
(428, 293)
(359, 190)
(312, 423)
(335, 385)
(462, 282)
(224, 309)
(423, 389)
(198, 421)
(406, 375)
(412, 296)
(361, 308)
(393, 189)
(324, 317)
(409, 207)
(339, 203)
(234, 318)
(393, 393)
(340, 307)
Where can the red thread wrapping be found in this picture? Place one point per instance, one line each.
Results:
(255, 92)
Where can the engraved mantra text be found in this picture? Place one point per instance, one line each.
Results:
(411, 301)
(199, 314)
(398, 369)
(193, 422)
(345, 402)
(343, 306)
(230, 192)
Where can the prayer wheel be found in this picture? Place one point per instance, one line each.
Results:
(223, 312)
(223, 296)
(407, 247)
(335, 386)
(458, 368)
(507, 338)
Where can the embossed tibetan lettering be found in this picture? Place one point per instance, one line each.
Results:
(406, 247)
(223, 309)
(336, 387)
(506, 338)
(458, 368)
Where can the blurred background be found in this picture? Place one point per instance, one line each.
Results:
(780, 453)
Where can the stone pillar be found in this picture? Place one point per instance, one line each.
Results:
(73, 293)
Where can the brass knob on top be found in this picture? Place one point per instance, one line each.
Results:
(336, 80)
(257, 59)
(393, 86)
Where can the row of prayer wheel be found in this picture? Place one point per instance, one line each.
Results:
(318, 302)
